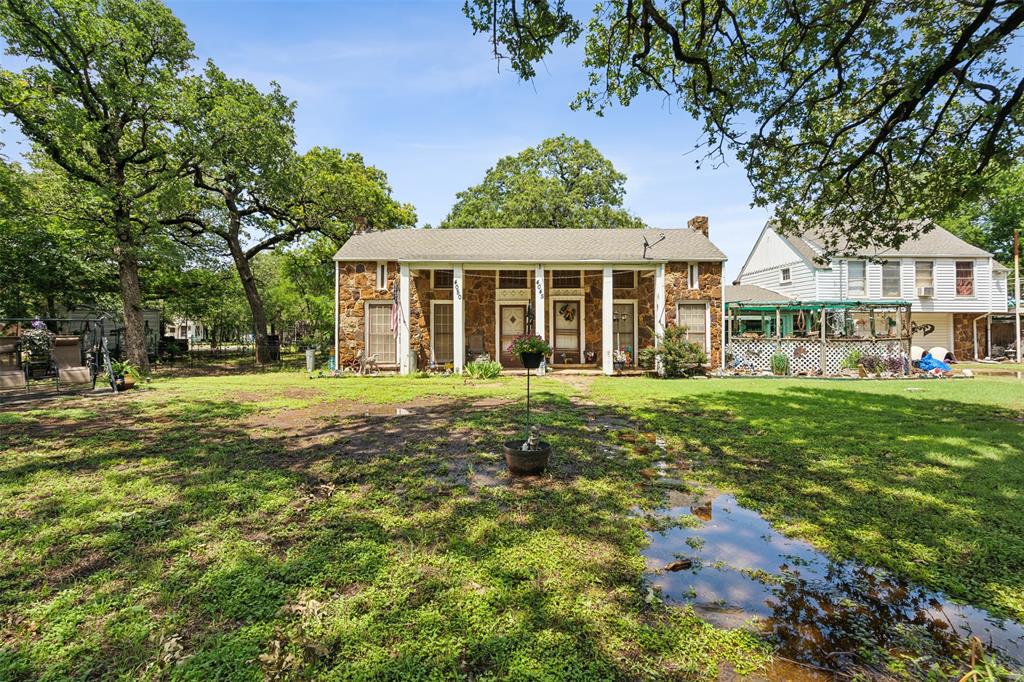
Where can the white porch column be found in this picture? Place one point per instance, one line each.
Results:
(607, 309)
(337, 345)
(403, 321)
(458, 319)
(659, 304)
(540, 303)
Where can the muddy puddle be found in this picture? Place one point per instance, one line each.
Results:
(737, 571)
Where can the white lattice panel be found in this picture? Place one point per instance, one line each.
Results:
(805, 354)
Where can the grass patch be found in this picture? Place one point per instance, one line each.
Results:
(241, 527)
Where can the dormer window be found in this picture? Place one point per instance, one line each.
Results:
(785, 276)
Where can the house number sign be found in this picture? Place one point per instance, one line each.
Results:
(540, 290)
(458, 292)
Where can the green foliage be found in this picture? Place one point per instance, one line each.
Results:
(780, 364)
(848, 116)
(483, 368)
(123, 368)
(852, 359)
(562, 182)
(97, 97)
(676, 356)
(989, 218)
(529, 343)
(38, 342)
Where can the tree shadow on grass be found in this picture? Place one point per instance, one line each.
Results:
(201, 531)
(362, 543)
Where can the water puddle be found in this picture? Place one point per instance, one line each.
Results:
(737, 571)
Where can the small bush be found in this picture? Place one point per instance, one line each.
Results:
(780, 364)
(852, 359)
(678, 356)
(483, 368)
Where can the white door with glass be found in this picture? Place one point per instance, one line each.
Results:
(623, 336)
(512, 319)
(442, 333)
(565, 349)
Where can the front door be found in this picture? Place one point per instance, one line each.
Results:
(512, 321)
(623, 323)
(566, 322)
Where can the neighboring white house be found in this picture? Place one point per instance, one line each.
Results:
(952, 286)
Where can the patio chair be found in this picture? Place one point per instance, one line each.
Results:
(12, 378)
(10, 352)
(67, 357)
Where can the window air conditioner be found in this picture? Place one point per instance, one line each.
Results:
(925, 292)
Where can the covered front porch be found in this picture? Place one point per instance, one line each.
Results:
(596, 317)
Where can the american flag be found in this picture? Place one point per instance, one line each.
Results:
(394, 310)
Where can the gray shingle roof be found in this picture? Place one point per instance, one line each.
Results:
(938, 243)
(751, 293)
(529, 245)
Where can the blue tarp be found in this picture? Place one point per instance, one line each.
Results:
(928, 363)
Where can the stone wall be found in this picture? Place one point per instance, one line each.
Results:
(479, 309)
(963, 336)
(357, 283)
(709, 279)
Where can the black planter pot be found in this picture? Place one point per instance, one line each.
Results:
(526, 461)
(531, 360)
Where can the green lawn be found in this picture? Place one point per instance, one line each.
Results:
(237, 527)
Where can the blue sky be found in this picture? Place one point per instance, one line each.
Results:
(409, 86)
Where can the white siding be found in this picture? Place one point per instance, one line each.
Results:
(986, 298)
(829, 284)
(770, 252)
(943, 334)
(801, 284)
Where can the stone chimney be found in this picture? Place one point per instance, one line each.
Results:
(699, 223)
(361, 224)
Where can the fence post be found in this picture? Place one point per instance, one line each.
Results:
(824, 350)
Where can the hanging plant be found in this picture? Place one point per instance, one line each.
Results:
(38, 341)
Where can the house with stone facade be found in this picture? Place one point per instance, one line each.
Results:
(954, 289)
(418, 298)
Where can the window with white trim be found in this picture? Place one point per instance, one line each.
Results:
(693, 276)
(624, 279)
(512, 279)
(923, 274)
(693, 317)
(785, 276)
(856, 278)
(382, 275)
(891, 278)
(443, 279)
(566, 279)
(965, 278)
(442, 338)
(380, 337)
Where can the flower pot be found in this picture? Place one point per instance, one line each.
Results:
(531, 360)
(521, 461)
(618, 365)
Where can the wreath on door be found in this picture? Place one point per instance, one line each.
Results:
(568, 312)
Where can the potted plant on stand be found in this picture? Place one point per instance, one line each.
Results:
(125, 375)
(529, 455)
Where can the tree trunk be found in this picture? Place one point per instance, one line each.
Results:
(131, 295)
(252, 295)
